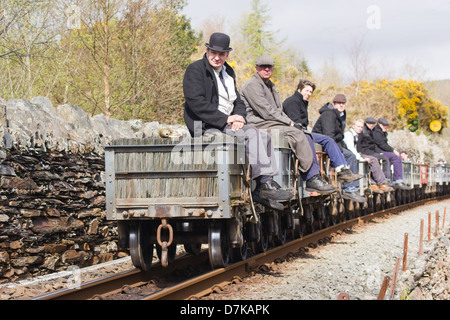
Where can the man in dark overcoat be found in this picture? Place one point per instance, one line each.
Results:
(213, 104)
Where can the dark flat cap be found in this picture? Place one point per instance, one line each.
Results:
(340, 98)
(383, 121)
(371, 120)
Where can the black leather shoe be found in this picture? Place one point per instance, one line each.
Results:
(317, 184)
(354, 196)
(401, 186)
(267, 202)
(271, 190)
(346, 175)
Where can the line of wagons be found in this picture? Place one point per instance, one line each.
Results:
(163, 192)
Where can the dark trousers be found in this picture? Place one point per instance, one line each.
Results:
(396, 161)
(352, 162)
(258, 148)
(315, 168)
(385, 163)
(377, 173)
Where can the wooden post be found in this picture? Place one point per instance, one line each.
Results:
(436, 231)
(394, 278)
(443, 220)
(405, 251)
(421, 238)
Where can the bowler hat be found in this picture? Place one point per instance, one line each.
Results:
(219, 42)
(383, 121)
(340, 98)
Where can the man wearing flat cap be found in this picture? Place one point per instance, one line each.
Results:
(331, 122)
(380, 137)
(265, 111)
(213, 105)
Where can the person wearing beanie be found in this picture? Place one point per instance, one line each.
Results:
(265, 111)
(332, 122)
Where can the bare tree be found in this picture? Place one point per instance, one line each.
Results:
(359, 59)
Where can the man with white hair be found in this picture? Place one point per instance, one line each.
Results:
(379, 181)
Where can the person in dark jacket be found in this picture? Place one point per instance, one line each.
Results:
(380, 134)
(213, 104)
(366, 145)
(332, 124)
(296, 108)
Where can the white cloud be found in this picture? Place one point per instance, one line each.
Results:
(414, 31)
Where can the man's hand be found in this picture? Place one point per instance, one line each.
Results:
(236, 121)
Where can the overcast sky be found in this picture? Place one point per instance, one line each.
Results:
(396, 32)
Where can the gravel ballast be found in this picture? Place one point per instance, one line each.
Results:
(357, 261)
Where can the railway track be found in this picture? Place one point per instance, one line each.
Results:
(190, 277)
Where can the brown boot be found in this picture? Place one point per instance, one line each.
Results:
(385, 188)
(376, 189)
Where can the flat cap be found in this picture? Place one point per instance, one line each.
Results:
(340, 98)
(383, 121)
(371, 120)
(264, 60)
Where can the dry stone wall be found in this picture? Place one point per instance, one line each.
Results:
(52, 195)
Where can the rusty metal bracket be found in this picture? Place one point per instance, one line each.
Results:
(164, 244)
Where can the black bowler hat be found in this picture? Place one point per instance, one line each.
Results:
(219, 42)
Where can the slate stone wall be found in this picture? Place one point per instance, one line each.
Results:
(52, 195)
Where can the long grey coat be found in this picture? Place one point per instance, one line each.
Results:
(265, 111)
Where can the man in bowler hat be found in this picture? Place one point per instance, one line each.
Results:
(213, 103)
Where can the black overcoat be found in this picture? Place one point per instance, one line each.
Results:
(202, 98)
(366, 144)
(380, 138)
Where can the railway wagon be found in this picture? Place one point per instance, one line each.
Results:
(163, 192)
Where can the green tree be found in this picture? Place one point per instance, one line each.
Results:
(127, 59)
(255, 38)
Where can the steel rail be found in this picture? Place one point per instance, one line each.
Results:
(214, 280)
(205, 284)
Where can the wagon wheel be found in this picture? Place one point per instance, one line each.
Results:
(219, 251)
(317, 218)
(193, 248)
(263, 243)
(141, 247)
(240, 253)
(299, 226)
(309, 219)
(333, 211)
(324, 214)
(280, 239)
